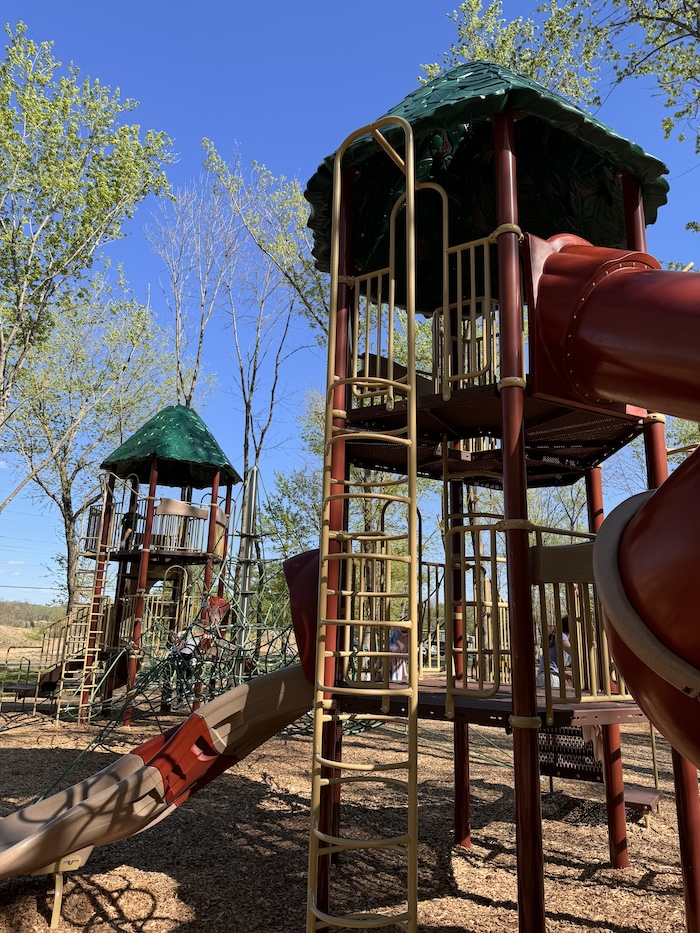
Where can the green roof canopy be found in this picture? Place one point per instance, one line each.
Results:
(186, 451)
(567, 164)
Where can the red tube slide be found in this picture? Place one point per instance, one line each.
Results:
(616, 328)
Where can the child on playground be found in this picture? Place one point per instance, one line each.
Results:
(181, 664)
(552, 656)
(398, 642)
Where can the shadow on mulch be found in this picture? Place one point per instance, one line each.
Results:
(234, 859)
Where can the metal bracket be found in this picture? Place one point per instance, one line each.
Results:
(524, 722)
(506, 228)
(512, 382)
(515, 524)
(67, 863)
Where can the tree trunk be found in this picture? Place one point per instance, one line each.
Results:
(71, 536)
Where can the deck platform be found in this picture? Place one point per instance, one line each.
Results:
(560, 442)
(496, 710)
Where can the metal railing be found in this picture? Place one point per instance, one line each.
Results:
(562, 587)
(432, 615)
(465, 332)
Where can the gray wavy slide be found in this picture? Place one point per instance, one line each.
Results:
(141, 788)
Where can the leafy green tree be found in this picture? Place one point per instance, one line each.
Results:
(555, 49)
(71, 174)
(649, 39)
(94, 379)
(291, 517)
(584, 47)
(27, 615)
(682, 437)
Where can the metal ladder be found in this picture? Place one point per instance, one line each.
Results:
(368, 615)
(81, 666)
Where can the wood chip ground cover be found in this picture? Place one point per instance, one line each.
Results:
(233, 859)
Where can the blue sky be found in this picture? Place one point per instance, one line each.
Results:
(283, 83)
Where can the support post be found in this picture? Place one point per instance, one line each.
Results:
(685, 775)
(211, 534)
(612, 754)
(135, 642)
(122, 588)
(97, 611)
(224, 553)
(208, 573)
(528, 810)
(463, 832)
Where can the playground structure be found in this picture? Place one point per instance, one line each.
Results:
(161, 521)
(515, 223)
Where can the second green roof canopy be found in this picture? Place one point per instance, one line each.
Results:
(186, 451)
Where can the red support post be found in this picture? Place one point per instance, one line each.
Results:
(463, 831)
(612, 754)
(96, 607)
(685, 779)
(633, 206)
(135, 646)
(120, 595)
(685, 775)
(528, 810)
(211, 536)
(208, 569)
(224, 553)
(329, 807)
(456, 506)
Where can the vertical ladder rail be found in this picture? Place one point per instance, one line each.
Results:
(369, 586)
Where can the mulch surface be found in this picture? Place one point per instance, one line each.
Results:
(233, 859)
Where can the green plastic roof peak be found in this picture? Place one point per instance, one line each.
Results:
(567, 162)
(186, 451)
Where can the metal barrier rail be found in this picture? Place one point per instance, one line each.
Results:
(562, 581)
(465, 331)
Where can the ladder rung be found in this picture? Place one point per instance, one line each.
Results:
(344, 844)
(356, 766)
(364, 921)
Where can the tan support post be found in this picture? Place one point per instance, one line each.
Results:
(58, 868)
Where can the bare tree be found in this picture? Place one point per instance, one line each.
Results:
(233, 252)
(196, 236)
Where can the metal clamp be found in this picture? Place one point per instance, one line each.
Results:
(508, 382)
(655, 417)
(506, 228)
(524, 722)
(515, 524)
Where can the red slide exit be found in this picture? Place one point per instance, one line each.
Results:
(611, 327)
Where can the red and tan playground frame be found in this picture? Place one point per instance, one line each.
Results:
(516, 223)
